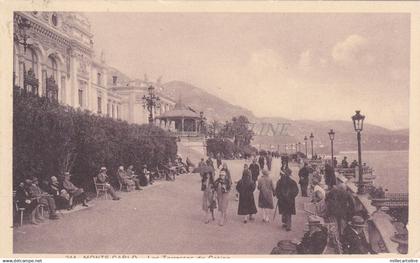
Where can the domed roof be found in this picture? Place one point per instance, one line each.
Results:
(180, 110)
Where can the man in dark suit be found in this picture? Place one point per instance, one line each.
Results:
(286, 192)
(354, 239)
(261, 161)
(304, 179)
(315, 240)
(340, 205)
(255, 170)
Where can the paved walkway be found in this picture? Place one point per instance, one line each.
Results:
(165, 218)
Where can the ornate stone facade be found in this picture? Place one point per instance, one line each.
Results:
(58, 61)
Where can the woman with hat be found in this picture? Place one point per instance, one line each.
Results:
(354, 240)
(207, 187)
(246, 189)
(265, 197)
(103, 178)
(286, 192)
(315, 239)
(318, 197)
(222, 186)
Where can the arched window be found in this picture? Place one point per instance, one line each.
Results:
(52, 68)
(31, 61)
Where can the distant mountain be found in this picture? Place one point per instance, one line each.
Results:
(214, 108)
(274, 132)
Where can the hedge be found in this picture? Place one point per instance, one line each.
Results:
(50, 139)
(228, 149)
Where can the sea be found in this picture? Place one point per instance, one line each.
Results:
(391, 167)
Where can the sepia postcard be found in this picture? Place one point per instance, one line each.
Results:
(209, 130)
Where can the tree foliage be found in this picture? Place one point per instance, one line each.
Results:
(231, 139)
(50, 139)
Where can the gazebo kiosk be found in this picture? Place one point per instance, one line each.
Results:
(182, 121)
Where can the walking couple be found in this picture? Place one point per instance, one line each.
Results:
(286, 191)
(246, 187)
(216, 193)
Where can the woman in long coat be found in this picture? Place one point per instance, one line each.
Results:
(265, 197)
(207, 186)
(222, 187)
(246, 189)
(286, 192)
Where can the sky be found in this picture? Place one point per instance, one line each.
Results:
(317, 66)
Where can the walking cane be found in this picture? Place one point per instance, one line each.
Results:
(275, 211)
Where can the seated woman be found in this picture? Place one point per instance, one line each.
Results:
(78, 194)
(144, 176)
(103, 179)
(130, 174)
(62, 200)
(318, 198)
(123, 179)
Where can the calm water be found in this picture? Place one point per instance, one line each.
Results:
(391, 167)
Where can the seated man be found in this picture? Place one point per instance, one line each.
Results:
(130, 174)
(354, 240)
(78, 194)
(103, 178)
(42, 197)
(24, 200)
(315, 240)
(124, 179)
(61, 200)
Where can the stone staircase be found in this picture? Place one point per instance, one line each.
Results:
(193, 149)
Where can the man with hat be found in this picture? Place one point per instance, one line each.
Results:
(304, 179)
(340, 205)
(78, 194)
(24, 200)
(315, 240)
(43, 198)
(103, 178)
(354, 239)
(286, 192)
(255, 170)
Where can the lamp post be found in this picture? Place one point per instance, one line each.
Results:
(306, 146)
(299, 146)
(331, 134)
(151, 102)
(21, 37)
(358, 127)
(312, 144)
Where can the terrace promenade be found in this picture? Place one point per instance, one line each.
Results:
(165, 218)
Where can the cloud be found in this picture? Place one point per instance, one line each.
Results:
(354, 50)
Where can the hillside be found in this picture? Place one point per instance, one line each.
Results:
(214, 107)
(289, 131)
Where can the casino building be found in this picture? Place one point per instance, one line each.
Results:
(54, 57)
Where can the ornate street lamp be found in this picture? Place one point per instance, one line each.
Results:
(331, 134)
(358, 127)
(306, 146)
(151, 102)
(312, 144)
(20, 35)
(299, 146)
